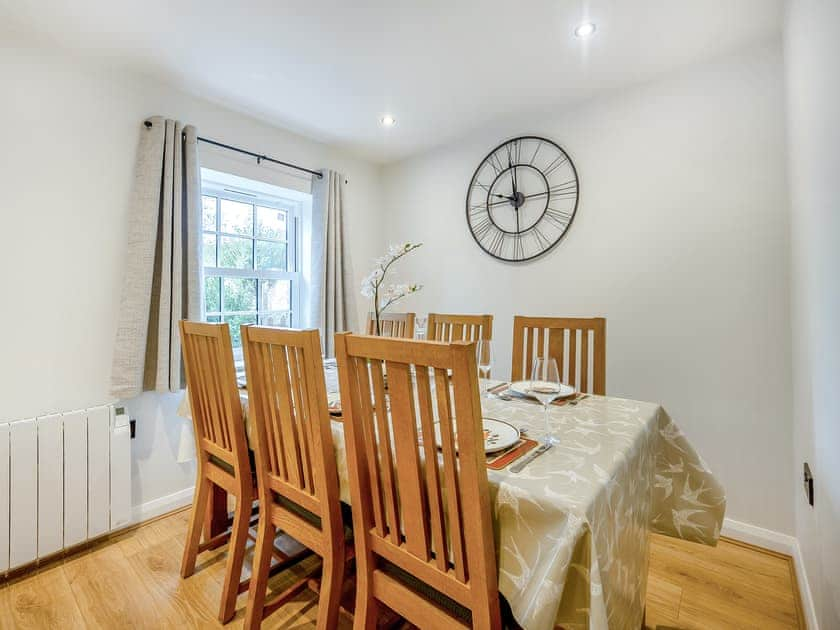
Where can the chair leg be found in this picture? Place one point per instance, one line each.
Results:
(487, 619)
(329, 601)
(259, 573)
(202, 492)
(236, 555)
(367, 609)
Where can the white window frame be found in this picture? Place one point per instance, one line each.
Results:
(293, 208)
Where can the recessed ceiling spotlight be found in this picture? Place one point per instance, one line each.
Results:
(584, 30)
(387, 121)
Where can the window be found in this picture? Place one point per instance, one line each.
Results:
(250, 249)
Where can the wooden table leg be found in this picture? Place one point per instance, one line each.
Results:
(216, 520)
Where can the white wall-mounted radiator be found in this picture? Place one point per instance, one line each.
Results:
(65, 478)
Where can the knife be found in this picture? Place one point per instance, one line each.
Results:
(518, 466)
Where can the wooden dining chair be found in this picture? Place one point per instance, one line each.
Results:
(221, 451)
(423, 533)
(295, 462)
(448, 327)
(570, 341)
(392, 325)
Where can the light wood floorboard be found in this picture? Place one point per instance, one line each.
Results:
(733, 585)
(132, 581)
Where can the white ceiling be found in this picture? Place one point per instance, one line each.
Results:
(442, 68)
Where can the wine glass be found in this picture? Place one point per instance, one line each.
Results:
(419, 327)
(545, 387)
(484, 359)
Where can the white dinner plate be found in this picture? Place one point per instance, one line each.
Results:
(498, 435)
(523, 388)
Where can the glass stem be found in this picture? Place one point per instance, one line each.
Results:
(547, 424)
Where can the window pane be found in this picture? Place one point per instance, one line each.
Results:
(212, 297)
(235, 253)
(236, 217)
(235, 321)
(239, 294)
(270, 255)
(208, 213)
(209, 250)
(275, 295)
(214, 319)
(282, 320)
(271, 223)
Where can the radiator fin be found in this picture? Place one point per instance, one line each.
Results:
(23, 501)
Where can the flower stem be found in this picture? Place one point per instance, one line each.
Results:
(381, 280)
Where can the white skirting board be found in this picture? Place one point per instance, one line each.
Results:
(780, 543)
(170, 502)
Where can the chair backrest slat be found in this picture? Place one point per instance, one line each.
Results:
(451, 327)
(412, 496)
(425, 405)
(280, 394)
(383, 460)
(214, 394)
(399, 325)
(584, 361)
(453, 494)
(303, 404)
(577, 344)
(210, 416)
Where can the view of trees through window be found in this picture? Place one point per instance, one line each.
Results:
(250, 267)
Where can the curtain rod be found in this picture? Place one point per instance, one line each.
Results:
(259, 157)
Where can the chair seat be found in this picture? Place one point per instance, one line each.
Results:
(309, 517)
(227, 467)
(462, 613)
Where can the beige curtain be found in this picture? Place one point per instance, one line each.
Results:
(162, 281)
(332, 303)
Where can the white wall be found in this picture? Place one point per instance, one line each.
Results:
(68, 140)
(812, 52)
(680, 241)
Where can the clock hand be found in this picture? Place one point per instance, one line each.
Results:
(506, 201)
(540, 194)
(544, 193)
(512, 177)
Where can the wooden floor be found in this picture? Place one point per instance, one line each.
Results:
(132, 581)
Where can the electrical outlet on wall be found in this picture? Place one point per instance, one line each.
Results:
(809, 484)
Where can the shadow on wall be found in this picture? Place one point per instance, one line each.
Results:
(156, 472)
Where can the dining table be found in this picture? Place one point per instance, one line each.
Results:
(572, 528)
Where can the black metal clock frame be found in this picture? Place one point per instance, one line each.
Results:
(520, 198)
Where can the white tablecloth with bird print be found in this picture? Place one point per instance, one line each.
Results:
(573, 527)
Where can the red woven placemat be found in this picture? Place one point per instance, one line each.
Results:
(511, 455)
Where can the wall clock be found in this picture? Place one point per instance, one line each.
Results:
(522, 199)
